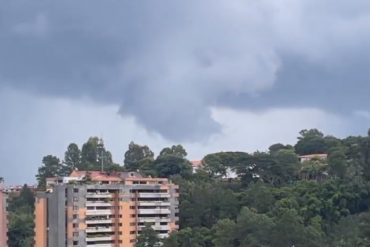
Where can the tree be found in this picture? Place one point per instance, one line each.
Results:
(196, 237)
(135, 155)
(20, 232)
(311, 142)
(51, 168)
(337, 163)
(218, 164)
(290, 230)
(278, 146)
(72, 158)
(148, 237)
(203, 204)
(94, 156)
(258, 196)
(225, 234)
(175, 150)
(169, 165)
(286, 166)
(253, 229)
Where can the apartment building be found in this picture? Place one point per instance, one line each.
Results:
(3, 217)
(97, 209)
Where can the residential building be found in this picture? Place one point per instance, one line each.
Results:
(91, 209)
(196, 164)
(3, 217)
(309, 157)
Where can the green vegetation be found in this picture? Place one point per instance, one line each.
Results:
(20, 232)
(275, 201)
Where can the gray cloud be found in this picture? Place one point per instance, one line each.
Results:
(167, 62)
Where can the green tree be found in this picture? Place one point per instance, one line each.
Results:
(337, 163)
(285, 168)
(94, 156)
(72, 158)
(20, 228)
(196, 237)
(175, 150)
(253, 229)
(290, 230)
(148, 237)
(203, 204)
(169, 165)
(258, 196)
(224, 234)
(311, 142)
(51, 167)
(278, 146)
(137, 155)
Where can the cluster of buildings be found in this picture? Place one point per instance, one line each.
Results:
(100, 209)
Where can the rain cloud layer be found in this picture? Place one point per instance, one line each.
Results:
(168, 63)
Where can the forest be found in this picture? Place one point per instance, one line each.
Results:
(276, 200)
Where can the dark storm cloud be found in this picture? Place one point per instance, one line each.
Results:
(167, 62)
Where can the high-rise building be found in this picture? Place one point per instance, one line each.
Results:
(3, 217)
(107, 210)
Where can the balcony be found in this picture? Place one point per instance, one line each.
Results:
(99, 212)
(154, 195)
(98, 204)
(99, 238)
(99, 229)
(99, 221)
(101, 245)
(99, 195)
(154, 211)
(158, 227)
(155, 203)
(153, 219)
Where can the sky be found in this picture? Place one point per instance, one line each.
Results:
(212, 75)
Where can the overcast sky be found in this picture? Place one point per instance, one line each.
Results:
(210, 74)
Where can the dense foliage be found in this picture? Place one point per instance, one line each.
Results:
(274, 199)
(20, 209)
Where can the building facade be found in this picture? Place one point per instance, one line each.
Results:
(96, 209)
(3, 217)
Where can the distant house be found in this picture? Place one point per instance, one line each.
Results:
(196, 164)
(309, 157)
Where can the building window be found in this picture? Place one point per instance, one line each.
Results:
(75, 234)
(75, 190)
(75, 243)
(75, 207)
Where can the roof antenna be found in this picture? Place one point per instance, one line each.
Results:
(101, 147)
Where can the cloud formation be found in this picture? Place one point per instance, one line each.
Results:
(167, 63)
